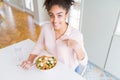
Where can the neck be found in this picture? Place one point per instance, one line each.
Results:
(63, 28)
(61, 31)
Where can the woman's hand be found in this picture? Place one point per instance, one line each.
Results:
(26, 64)
(76, 47)
(71, 43)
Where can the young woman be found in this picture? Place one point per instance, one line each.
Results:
(59, 38)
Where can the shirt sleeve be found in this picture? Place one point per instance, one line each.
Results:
(79, 38)
(46, 41)
(39, 44)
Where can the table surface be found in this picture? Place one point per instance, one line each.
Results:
(11, 57)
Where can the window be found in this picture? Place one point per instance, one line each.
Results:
(29, 5)
(75, 14)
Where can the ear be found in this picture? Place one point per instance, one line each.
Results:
(67, 16)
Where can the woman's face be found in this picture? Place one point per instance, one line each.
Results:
(58, 16)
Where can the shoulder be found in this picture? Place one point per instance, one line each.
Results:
(75, 32)
(46, 25)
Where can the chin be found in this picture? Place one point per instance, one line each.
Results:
(56, 27)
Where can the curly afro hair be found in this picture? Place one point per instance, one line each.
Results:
(65, 4)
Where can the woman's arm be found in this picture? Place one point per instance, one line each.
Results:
(26, 64)
(76, 47)
(79, 51)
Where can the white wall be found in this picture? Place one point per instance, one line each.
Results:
(17, 3)
(99, 19)
(40, 13)
(113, 63)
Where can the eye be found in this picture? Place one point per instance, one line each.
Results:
(51, 16)
(59, 15)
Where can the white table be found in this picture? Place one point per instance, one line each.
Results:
(10, 69)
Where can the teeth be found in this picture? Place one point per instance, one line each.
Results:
(55, 24)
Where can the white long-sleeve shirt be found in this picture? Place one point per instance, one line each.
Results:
(56, 47)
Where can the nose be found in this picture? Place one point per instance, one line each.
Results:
(55, 19)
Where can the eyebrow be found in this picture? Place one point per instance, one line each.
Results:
(57, 13)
